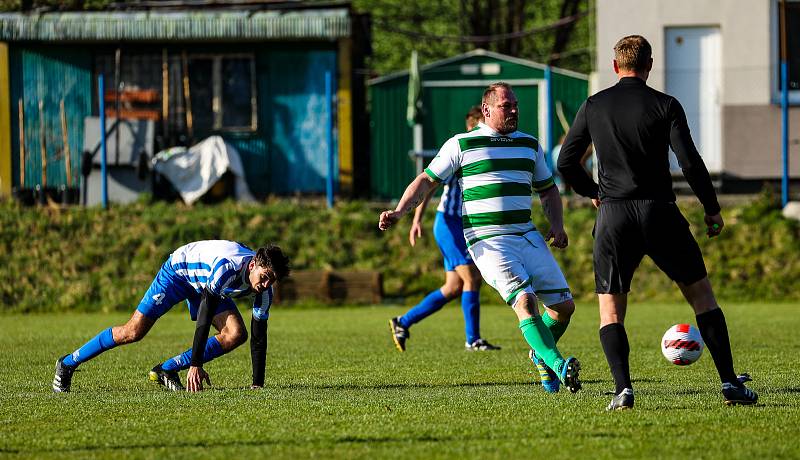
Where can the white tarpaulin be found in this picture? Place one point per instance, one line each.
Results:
(195, 170)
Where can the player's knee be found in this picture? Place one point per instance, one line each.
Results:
(129, 334)
(473, 277)
(565, 309)
(452, 290)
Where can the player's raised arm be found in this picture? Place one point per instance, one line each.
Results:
(413, 195)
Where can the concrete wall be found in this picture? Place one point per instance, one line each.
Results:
(745, 32)
(751, 141)
(751, 123)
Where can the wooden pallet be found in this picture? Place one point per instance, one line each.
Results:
(336, 287)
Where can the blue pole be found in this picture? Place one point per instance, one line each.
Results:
(785, 132)
(548, 124)
(329, 135)
(103, 178)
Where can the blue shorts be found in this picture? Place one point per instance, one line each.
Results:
(449, 234)
(168, 289)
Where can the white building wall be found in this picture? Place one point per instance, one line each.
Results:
(744, 26)
(750, 124)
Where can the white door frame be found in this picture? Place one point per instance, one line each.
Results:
(693, 74)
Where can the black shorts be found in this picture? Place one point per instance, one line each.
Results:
(626, 230)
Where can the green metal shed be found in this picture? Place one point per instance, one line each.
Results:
(449, 88)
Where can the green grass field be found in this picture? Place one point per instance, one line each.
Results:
(337, 388)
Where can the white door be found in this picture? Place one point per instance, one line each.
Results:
(693, 76)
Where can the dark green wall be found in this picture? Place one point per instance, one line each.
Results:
(445, 108)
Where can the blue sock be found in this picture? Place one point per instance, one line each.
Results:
(183, 360)
(100, 343)
(471, 306)
(432, 303)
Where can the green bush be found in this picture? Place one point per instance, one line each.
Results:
(87, 259)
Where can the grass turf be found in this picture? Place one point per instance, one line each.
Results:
(336, 387)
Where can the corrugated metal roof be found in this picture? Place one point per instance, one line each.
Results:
(185, 25)
(478, 52)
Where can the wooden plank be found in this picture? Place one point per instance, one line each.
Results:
(5, 123)
(334, 287)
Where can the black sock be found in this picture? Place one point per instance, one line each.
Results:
(616, 347)
(715, 334)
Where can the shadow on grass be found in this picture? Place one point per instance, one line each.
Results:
(396, 386)
(786, 390)
(216, 443)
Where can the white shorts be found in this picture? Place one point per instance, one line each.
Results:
(515, 265)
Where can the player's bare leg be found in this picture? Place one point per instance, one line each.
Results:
(134, 330)
(232, 332)
(453, 284)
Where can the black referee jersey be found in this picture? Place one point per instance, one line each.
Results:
(632, 127)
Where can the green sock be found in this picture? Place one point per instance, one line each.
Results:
(557, 328)
(540, 339)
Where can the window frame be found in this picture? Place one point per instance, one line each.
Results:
(216, 90)
(775, 74)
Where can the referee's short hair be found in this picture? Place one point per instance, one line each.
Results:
(633, 53)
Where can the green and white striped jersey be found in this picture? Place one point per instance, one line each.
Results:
(498, 174)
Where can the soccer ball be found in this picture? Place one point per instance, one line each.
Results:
(682, 344)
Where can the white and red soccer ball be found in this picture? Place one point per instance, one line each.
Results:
(682, 344)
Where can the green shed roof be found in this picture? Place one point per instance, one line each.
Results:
(325, 24)
(449, 68)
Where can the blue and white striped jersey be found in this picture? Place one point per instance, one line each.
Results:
(450, 204)
(220, 267)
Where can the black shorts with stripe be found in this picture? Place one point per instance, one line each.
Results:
(626, 230)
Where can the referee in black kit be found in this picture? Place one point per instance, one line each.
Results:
(632, 126)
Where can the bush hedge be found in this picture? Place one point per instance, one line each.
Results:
(88, 259)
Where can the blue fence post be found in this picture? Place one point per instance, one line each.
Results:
(103, 178)
(784, 104)
(785, 132)
(329, 135)
(548, 127)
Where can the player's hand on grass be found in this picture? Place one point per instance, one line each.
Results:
(559, 237)
(414, 233)
(195, 378)
(714, 225)
(388, 218)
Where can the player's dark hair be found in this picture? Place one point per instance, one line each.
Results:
(475, 115)
(633, 53)
(489, 93)
(272, 257)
